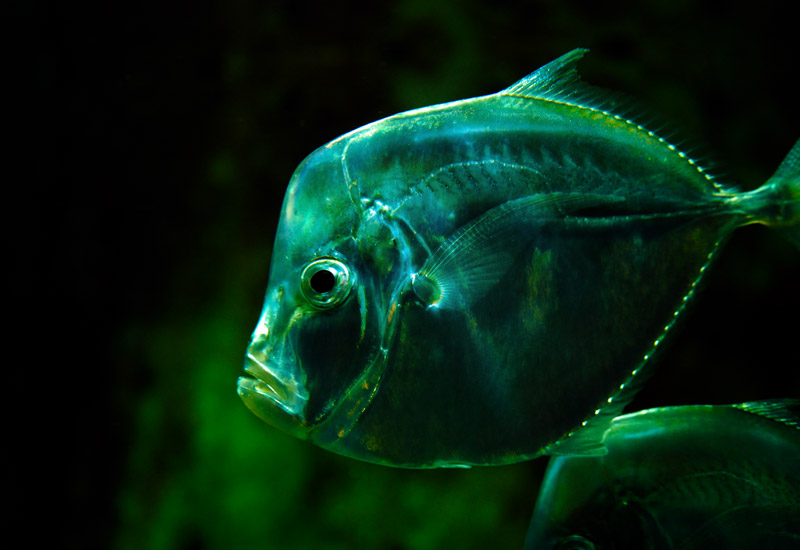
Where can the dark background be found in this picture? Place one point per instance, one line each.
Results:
(155, 141)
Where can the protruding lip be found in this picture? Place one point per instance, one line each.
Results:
(261, 402)
(271, 384)
(271, 398)
(267, 383)
(272, 392)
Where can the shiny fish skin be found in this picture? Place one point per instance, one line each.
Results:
(473, 282)
(698, 476)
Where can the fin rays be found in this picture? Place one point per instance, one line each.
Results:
(559, 81)
(478, 254)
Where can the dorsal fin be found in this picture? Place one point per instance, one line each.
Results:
(784, 411)
(557, 79)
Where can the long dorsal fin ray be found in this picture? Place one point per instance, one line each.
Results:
(560, 82)
(557, 79)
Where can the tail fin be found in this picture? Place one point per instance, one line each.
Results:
(777, 202)
(786, 182)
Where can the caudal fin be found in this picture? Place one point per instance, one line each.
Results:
(786, 183)
(777, 202)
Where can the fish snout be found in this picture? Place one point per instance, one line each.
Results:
(272, 387)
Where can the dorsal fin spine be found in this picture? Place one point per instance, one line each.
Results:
(559, 82)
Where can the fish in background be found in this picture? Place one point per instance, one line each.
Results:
(482, 282)
(687, 477)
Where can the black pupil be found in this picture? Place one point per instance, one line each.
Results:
(323, 281)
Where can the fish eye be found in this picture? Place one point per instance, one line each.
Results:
(322, 281)
(326, 282)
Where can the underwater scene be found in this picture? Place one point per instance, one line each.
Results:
(431, 275)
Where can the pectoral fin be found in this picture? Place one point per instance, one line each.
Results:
(474, 259)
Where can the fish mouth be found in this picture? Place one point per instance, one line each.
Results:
(272, 394)
(267, 383)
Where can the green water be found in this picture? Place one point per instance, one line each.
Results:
(185, 123)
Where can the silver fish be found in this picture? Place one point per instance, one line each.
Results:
(479, 282)
(679, 477)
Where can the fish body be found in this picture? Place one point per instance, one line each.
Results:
(471, 283)
(679, 477)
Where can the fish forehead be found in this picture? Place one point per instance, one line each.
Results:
(318, 209)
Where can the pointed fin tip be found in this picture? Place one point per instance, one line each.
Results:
(551, 78)
(589, 439)
(559, 81)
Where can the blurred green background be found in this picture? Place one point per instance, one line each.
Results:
(167, 133)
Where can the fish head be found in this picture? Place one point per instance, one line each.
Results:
(580, 507)
(316, 331)
(570, 485)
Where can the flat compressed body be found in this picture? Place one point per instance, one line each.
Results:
(499, 270)
(679, 477)
(500, 379)
(582, 302)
